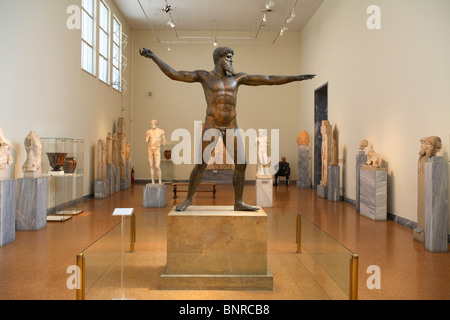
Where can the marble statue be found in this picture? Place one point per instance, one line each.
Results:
(363, 144)
(33, 148)
(263, 162)
(109, 149)
(155, 137)
(373, 160)
(5, 154)
(220, 87)
(327, 139)
(101, 160)
(303, 138)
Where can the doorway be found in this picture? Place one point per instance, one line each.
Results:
(320, 113)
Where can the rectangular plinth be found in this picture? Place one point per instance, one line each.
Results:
(264, 190)
(155, 195)
(216, 282)
(373, 193)
(322, 191)
(31, 204)
(436, 205)
(101, 189)
(215, 247)
(334, 182)
(7, 211)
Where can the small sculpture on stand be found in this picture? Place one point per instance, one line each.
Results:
(373, 160)
(5, 155)
(155, 137)
(33, 147)
(263, 162)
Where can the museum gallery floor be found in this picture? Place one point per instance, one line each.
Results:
(35, 265)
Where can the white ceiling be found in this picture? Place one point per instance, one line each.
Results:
(216, 15)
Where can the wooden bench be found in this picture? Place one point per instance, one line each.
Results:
(175, 190)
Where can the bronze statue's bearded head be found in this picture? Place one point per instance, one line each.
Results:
(224, 57)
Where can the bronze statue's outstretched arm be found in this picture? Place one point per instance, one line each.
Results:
(185, 76)
(257, 80)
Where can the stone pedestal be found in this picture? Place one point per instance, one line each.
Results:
(7, 211)
(101, 189)
(303, 179)
(31, 204)
(334, 181)
(373, 195)
(216, 248)
(436, 205)
(322, 191)
(264, 191)
(155, 195)
(126, 183)
(113, 177)
(361, 158)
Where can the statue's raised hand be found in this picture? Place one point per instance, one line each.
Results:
(146, 52)
(306, 76)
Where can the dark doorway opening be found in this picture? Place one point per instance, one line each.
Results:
(320, 113)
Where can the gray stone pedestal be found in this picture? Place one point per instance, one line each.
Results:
(126, 182)
(264, 192)
(31, 204)
(436, 205)
(373, 193)
(334, 181)
(101, 189)
(113, 177)
(7, 211)
(322, 191)
(155, 195)
(303, 179)
(361, 159)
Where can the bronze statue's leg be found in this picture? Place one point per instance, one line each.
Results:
(238, 184)
(194, 181)
(239, 176)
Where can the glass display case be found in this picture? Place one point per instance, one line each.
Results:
(63, 164)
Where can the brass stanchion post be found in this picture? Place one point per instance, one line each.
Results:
(353, 292)
(80, 279)
(299, 233)
(133, 232)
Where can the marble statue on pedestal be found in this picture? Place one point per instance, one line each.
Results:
(429, 146)
(109, 149)
(327, 140)
(5, 155)
(33, 148)
(263, 159)
(101, 160)
(303, 140)
(155, 137)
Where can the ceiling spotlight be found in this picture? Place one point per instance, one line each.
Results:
(283, 30)
(265, 17)
(171, 24)
(270, 5)
(168, 47)
(291, 16)
(166, 9)
(215, 42)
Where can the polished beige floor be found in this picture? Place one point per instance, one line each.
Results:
(35, 265)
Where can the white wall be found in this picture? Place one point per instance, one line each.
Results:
(389, 86)
(177, 104)
(43, 88)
